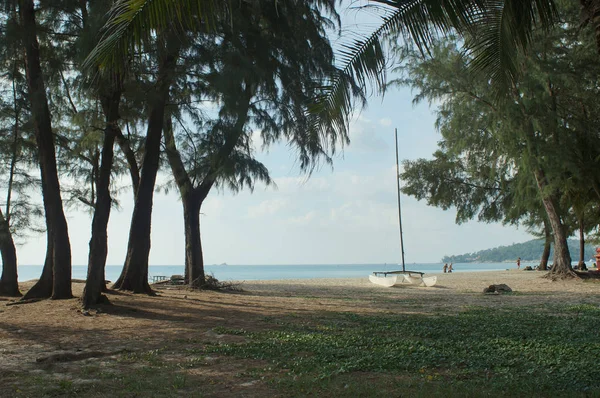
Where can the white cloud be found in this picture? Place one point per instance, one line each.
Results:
(306, 219)
(267, 207)
(386, 122)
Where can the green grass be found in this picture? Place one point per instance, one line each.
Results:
(476, 352)
(551, 351)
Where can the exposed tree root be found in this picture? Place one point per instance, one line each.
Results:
(562, 275)
(588, 275)
(26, 301)
(102, 300)
(75, 356)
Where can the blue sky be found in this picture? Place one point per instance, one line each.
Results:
(345, 215)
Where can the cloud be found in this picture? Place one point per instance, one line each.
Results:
(267, 207)
(303, 184)
(386, 122)
(365, 138)
(363, 214)
(303, 220)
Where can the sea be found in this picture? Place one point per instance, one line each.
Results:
(277, 272)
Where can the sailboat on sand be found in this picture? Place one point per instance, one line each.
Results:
(392, 278)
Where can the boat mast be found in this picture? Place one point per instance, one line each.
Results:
(399, 207)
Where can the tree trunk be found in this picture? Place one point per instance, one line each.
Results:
(135, 272)
(134, 170)
(43, 287)
(95, 283)
(581, 263)
(545, 254)
(194, 260)
(9, 285)
(562, 257)
(547, 245)
(56, 221)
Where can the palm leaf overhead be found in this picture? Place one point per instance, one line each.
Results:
(496, 31)
(131, 22)
(363, 60)
(503, 29)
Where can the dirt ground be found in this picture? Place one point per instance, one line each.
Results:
(53, 336)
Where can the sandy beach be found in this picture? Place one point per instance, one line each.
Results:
(29, 333)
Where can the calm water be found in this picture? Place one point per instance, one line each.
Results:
(273, 272)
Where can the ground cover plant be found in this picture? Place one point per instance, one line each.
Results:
(529, 351)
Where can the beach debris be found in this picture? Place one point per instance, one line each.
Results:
(497, 289)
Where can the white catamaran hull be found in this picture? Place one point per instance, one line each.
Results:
(429, 281)
(387, 281)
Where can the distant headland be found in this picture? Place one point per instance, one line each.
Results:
(528, 251)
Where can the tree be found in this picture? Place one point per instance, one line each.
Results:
(135, 272)
(55, 281)
(529, 131)
(262, 77)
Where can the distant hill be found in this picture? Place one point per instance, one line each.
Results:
(528, 251)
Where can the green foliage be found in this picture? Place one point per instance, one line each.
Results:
(522, 351)
(499, 158)
(528, 251)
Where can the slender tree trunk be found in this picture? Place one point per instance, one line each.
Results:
(95, 283)
(194, 260)
(57, 223)
(562, 257)
(581, 263)
(9, 285)
(546, 254)
(134, 170)
(547, 245)
(135, 272)
(43, 288)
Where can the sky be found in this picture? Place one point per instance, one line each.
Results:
(347, 214)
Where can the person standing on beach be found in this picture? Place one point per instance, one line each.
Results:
(450, 268)
(519, 263)
(445, 267)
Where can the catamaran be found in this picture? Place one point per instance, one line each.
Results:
(392, 278)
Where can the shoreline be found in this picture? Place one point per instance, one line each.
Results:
(447, 283)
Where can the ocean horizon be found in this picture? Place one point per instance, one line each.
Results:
(227, 272)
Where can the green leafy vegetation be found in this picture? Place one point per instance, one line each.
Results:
(519, 350)
(548, 350)
(528, 251)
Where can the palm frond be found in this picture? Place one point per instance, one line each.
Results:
(363, 61)
(501, 31)
(131, 22)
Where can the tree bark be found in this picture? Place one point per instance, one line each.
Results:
(547, 246)
(562, 258)
(9, 284)
(43, 287)
(194, 260)
(581, 263)
(55, 217)
(134, 170)
(135, 272)
(95, 283)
